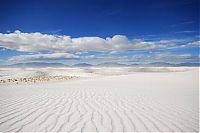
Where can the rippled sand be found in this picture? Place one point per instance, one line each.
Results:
(114, 100)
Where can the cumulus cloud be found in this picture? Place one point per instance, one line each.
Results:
(50, 56)
(91, 48)
(37, 42)
(164, 57)
(194, 43)
(127, 59)
(53, 56)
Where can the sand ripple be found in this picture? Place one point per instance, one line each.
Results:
(87, 110)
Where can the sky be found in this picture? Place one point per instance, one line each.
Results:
(99, 31)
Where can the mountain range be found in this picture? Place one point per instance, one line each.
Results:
(106, 64)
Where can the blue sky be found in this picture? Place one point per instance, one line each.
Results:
(96, 31)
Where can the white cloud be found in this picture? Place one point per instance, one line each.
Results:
(127, 59)
(65, 47)
(37, 42)
(186, 31)
(195, 43)
(53, 56)
(164, 57)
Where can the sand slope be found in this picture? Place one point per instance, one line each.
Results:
(142, 101)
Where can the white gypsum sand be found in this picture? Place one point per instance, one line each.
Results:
(103, 99)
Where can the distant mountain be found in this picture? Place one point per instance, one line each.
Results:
(159, 64)
(154, 64)
(134, 65)
(107, 64)
(189, 64)
(112, 64)
(82, 65)
(165, 64)
(35, 64)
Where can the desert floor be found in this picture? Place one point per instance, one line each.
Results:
(99, 99)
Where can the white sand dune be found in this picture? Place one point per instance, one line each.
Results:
(129, 100)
